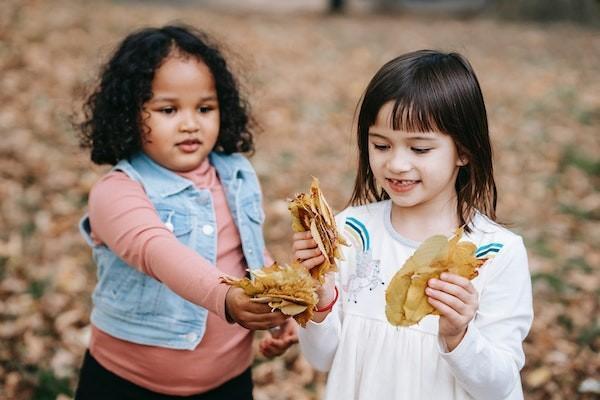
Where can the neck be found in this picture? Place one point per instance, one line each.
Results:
(424, 220)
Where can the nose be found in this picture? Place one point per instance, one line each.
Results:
(189, 122)
(399, 162)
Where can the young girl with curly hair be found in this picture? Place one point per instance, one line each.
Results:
(425, 168)
(180, 207)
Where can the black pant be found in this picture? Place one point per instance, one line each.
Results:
(98, 383)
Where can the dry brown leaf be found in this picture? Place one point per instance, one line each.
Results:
(310, 212)
(406, 302)
(288, 288)
(545, 166)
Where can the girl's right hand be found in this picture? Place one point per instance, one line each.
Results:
(306, 250)
(250, 314)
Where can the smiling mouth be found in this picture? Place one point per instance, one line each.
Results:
(402, 185)
(402, 182)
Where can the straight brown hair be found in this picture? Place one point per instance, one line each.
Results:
(432, 91)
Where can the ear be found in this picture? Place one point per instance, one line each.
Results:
(462, 161)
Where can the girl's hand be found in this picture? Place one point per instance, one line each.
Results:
(306, 250)
(308, 253)
(250, 314)
(276, 343)
(457, 301)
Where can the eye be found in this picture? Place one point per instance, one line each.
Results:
(380, 147)
(205, 109)
(168, 110)
(420, 150)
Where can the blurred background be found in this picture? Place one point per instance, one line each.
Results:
(304, 65)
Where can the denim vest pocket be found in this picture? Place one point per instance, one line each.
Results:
(118, 283)
(176, 221)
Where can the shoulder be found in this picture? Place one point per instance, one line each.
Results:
(231, 162)
(492, 237)
(114, 179)
(504, 249)
(115, 184)
(366, 213)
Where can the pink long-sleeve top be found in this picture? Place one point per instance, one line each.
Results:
(123, 218)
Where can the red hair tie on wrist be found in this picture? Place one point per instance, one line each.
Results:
(330, 305)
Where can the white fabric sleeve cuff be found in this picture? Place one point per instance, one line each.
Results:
(462, 349)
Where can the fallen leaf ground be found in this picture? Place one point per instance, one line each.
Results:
(304, 72)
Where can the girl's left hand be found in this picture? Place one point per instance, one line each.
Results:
(275, 344)
(457, 301)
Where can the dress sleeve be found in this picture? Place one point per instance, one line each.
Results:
(319, 341)
(487, 361)
(123, 218)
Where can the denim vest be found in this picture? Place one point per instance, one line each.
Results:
(133, 306)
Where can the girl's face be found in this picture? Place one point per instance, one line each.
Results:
(415, 169)
(182, 117)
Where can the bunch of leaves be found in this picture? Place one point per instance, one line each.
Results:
(288, 288)
(406, 301)
(310, 212)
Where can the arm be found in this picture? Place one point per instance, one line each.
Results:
(489, 357)
(124, 219)
(320, 338)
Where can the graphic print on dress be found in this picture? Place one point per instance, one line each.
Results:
(489, 250)
(368, 271)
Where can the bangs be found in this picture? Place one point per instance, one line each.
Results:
(414, 117)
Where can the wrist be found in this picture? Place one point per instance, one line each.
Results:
(228, 316)
(452, 341)
(326, 291)
(327, 304)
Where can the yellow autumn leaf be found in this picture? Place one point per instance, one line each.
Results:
(406, 302)
(289, 288)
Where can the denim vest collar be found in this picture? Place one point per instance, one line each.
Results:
(164, 182)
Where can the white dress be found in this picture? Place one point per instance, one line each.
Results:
(370, 359)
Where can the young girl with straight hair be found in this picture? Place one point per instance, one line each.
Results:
(180, 207)
(425, 168)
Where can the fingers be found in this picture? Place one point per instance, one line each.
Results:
(261, 321)
(306, 250)
(451, 286)
(445, 310)
(458, 281)
(308, 254)
(249, 321)
(448, 299)
(271, 347)
(255, 307)
(305, 244)
(313, 262)
(249, 314)
(455, 298)
(302, 235)
(269, 351)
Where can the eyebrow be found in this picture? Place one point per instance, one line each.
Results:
(167, 98)
(408, 135)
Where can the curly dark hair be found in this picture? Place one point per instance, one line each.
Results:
(113, 125)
